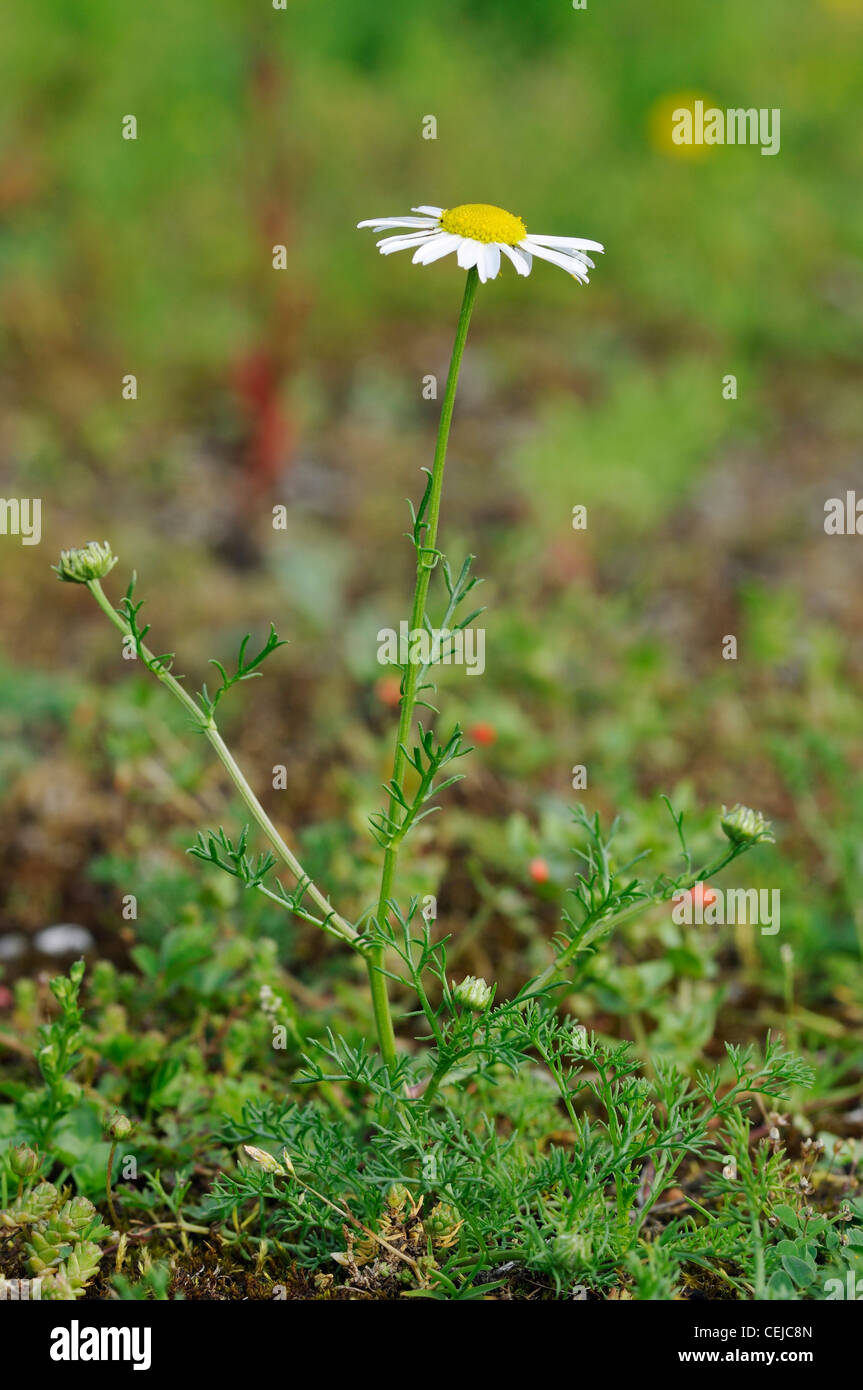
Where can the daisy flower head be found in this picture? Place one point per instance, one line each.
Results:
(479, 234)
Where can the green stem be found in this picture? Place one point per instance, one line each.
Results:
(435, 1083)
(427, 556)
(108, 1192)
(333, 922)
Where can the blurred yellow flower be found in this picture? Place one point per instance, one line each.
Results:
(660, 123)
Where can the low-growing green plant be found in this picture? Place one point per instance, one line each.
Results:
(575, 1210)
(60, 1238)
(58, 1052)
(766, 1223)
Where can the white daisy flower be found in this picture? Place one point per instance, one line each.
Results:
(479, 234)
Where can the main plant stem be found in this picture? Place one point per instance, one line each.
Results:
(332, 922)
(427, 557)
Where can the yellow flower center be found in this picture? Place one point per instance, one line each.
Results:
(484, 222)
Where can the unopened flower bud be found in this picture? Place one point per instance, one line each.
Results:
(91, 561)
(744, 826)
(23, 1161)
(398, 1197)
(266, 1161)
(473, 993)
(119, 1127)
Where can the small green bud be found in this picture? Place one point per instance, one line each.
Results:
(119, 1127)
(472, 993)
(23, 1161)
(746, 827)
(92, 561)
(265, 1160)
(398, 1197)
(442, 1224)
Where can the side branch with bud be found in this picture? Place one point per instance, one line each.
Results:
(89, 566)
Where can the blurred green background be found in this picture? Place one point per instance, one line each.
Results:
(303, 387)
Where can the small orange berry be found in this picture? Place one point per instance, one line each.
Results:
(539, 871)
(702, 895)
(482, 733)
(389, 690)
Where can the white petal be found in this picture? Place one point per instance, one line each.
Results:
(434, 212)
(492, 260)
(571, 243)
(468, 252)
(436, 247)
(380, 224)
(580, 256)
(522, 260)
(404, 243)
(576, 268)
